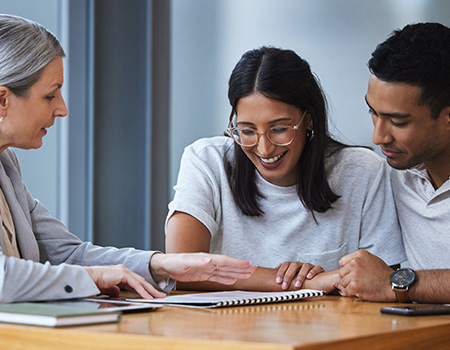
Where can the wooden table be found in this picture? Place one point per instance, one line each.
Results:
(329, 322)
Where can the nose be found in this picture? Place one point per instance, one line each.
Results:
(61, 110)
(381, 131)
(264, 146)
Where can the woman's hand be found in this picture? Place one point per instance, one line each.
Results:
(297, 272)
(195, 267)
(109, 279)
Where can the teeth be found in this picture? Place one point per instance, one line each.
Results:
(272, 160)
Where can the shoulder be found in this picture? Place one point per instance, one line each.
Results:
(355, 161)
(356, 157)
(212, 147)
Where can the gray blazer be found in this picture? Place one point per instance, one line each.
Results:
(51, 255)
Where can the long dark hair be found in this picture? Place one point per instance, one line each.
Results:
(282, 75)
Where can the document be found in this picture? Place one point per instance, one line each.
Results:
(232, 298)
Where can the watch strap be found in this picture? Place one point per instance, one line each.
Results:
(402, 294)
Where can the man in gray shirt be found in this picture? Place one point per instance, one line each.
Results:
(409, 100)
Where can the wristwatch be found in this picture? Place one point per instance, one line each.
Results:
(401, 280)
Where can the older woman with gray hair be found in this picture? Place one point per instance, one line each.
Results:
(39, 258)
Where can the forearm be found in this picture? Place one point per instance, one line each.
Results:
(432, 286)
(26, 280)
(263, 280)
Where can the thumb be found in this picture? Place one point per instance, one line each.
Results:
(112, 291)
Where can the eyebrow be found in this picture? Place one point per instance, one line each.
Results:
(390, 115)
(271, 122)
(55, 86)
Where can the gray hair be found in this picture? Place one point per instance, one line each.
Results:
(26, 48)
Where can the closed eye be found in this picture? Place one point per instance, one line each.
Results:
(279, 129)
(246, 131)
(399, 125)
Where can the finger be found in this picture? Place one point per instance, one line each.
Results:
(345, 270)
(291, 272)
(281, 272)
(213, 262)
(304, 270)
(223, 260)
(141, 286)
(343, 285)
(339, 288)
(146, 288)
(112, 291)
(224, 271)
(232, 270)
(234, 275)
(229, 275)
(314, 271)
(217, 276)
(345, 259)
(222, 280)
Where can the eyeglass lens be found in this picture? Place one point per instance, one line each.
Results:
(279, 135)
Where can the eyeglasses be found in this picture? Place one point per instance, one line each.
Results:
(279, 135)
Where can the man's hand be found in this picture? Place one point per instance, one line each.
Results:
(109, 279)
(365, 276)
(193, 267)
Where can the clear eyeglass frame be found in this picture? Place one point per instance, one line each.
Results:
(232, 129)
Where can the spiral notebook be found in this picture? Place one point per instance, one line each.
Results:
(232, 298)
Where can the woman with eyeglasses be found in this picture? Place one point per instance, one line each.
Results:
(281, 192)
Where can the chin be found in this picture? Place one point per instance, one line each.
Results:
(401, 166)
(37, 145)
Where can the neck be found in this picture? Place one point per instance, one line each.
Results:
(3, 147)
(439, 173)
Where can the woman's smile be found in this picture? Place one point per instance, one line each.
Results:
(272, 162)
(276, 164)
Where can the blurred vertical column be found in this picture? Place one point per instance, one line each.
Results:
(114, 154)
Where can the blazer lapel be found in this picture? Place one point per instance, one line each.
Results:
(10, 179)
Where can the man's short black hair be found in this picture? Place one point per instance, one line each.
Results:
(418, 54)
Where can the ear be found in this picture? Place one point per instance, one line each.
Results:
(4, 97)
(445, 115)
(309, 122)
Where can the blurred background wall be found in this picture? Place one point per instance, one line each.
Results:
(145, 78)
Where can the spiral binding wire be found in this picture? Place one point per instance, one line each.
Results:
(275, 299)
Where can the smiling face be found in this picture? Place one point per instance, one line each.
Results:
(27, 117)
(405, 130)
(276, 164)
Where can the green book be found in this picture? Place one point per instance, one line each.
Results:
(53, 315)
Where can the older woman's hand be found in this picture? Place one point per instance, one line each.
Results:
(109, 279)
(194, 267)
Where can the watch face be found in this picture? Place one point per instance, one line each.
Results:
(402, 278)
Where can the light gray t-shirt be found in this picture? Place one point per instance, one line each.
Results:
(424, 215)
(363, 217)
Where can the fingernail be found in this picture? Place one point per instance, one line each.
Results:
(278, 280)
(308, 275)
(284, 285)
(207, 259)
(298, 284)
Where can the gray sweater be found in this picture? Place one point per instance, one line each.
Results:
(364, 217)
